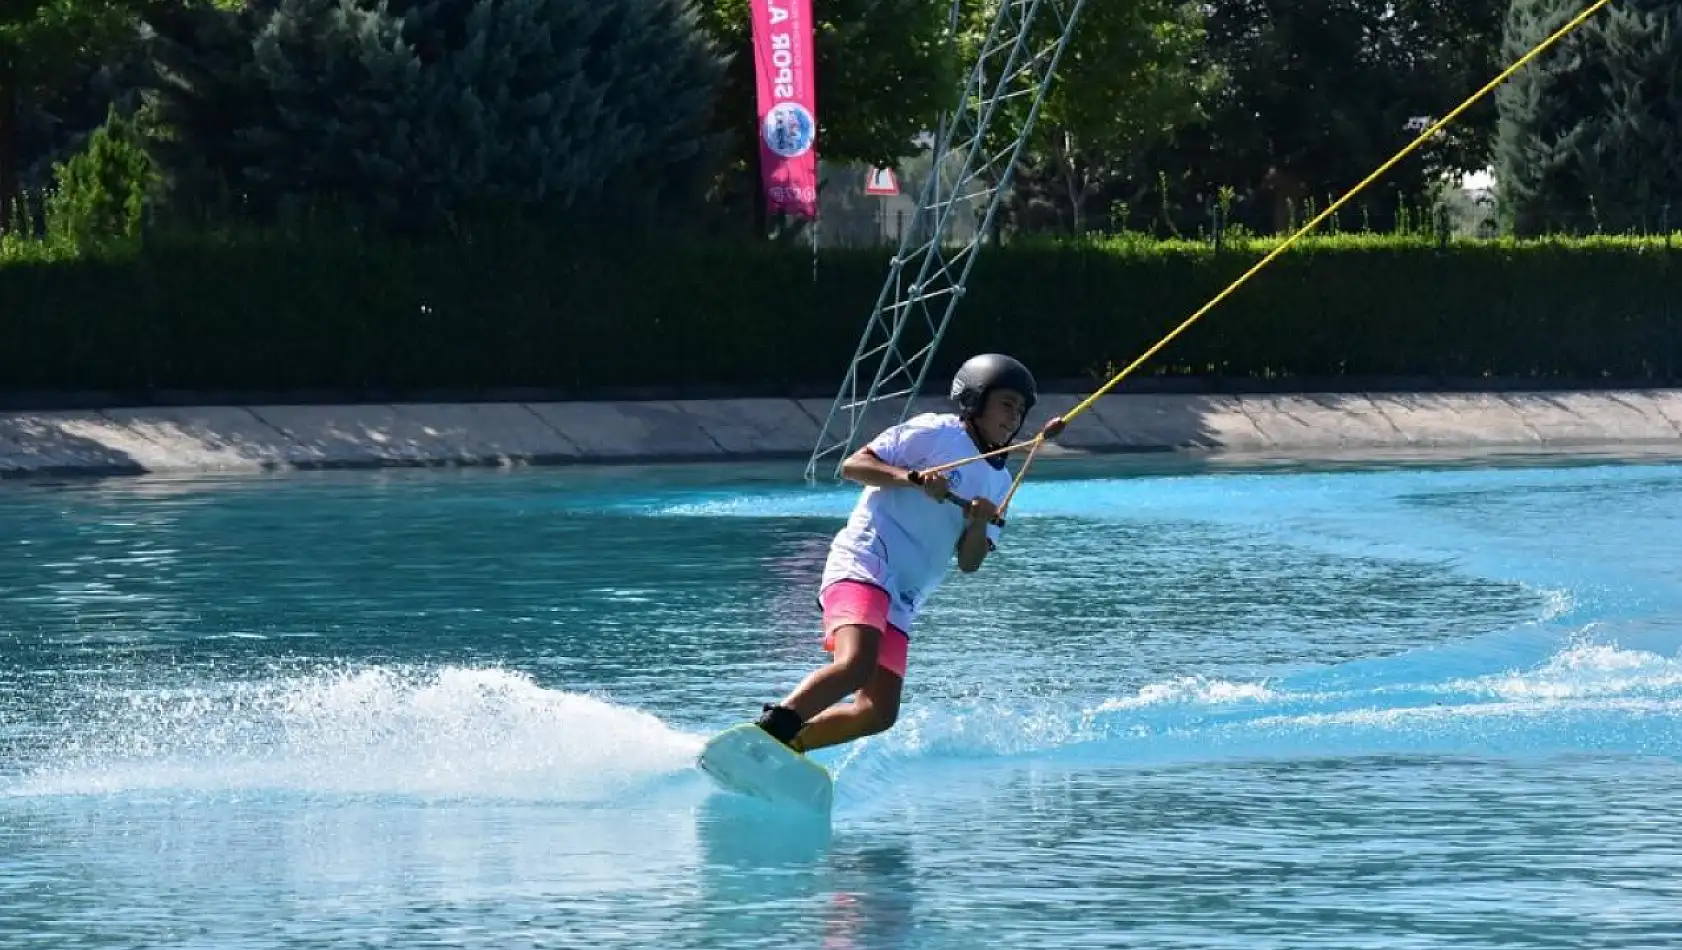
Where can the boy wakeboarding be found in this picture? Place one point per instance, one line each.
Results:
(897, 547)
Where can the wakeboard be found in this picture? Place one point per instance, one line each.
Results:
(746, 760)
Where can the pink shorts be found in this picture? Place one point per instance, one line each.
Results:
(855, 602)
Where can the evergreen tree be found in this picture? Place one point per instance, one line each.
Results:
(1588, 138)
(426, 112)
(102, 189)
(666, 102)
(337, 76)
(203, 90)
(42, 42)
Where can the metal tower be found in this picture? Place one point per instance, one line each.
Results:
(926, 276)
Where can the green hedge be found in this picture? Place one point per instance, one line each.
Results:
(267, 313)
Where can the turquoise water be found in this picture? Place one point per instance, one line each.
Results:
(1187, 705)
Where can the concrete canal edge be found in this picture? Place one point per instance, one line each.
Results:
(229, 438)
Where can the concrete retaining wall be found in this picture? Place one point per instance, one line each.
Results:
(228, 438)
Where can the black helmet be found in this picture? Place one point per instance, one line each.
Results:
(985, 373)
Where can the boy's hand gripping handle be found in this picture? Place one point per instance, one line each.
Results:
(916, 478)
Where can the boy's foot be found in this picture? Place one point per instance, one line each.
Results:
(782, 723)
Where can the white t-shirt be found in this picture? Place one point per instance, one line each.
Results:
(902, 540)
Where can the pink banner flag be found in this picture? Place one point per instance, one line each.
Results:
(788, 103)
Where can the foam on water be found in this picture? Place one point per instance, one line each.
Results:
(1585, 697)
(374, 730)
(494, 733)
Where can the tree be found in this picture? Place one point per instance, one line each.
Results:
(42, 41)
(1128, 79)
(203, 91)
(886, 69)
(1589, 137)
(416, 113)
(102, 189)
(1322, 92)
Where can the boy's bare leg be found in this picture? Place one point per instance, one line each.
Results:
(873, 710)
(848, 672)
